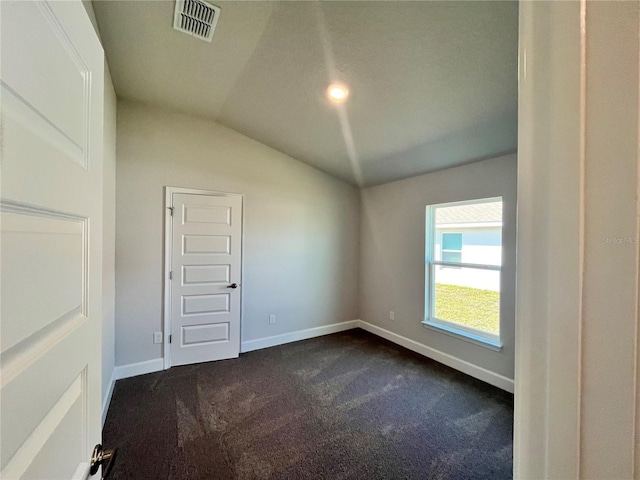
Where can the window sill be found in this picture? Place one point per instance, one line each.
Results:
(462, 335)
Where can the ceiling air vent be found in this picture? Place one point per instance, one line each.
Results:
(196, 18)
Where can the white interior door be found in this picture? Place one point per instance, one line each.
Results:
(205, 284)
(51, 222)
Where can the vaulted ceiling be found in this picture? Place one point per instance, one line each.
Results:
(432, 84)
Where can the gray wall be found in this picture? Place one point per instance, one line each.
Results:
(301, 236)
(392, 254)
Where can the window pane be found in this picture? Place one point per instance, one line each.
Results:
(452, 241)
(474, 229)
(452, 256)
(469, 297)
(470, 213)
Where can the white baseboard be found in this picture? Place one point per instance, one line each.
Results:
(134, 369)
(107, 398)
(157, 364)
(475, 371)
(126, 371)
(492, 378)
(266, 342)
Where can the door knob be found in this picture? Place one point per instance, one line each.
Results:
(103, 457)
(233, 285)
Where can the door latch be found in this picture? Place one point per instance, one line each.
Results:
(103, 457)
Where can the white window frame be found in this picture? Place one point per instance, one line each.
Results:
(473, 335)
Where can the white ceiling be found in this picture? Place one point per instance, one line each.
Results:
(433, 84)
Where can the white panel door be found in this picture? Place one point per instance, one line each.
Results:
(51, 222)
(205, 284)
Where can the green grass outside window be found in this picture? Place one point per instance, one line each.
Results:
(467, 306)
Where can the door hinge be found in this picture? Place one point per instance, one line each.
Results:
(170, 338)
(170, 275)
(171, 210)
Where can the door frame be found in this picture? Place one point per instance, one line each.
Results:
(167, 247)
(564, 344)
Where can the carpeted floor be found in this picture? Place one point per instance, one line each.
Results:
(343, 406)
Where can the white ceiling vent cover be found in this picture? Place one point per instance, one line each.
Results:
(196, 18)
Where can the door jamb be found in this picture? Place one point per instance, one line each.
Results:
(168, 224)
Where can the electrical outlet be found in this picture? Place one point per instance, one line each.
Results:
(392, 316)
(272, 319)
(157, 337)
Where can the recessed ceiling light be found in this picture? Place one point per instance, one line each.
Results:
(337, 93)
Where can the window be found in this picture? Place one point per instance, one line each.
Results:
(462, 269)
(451, 248)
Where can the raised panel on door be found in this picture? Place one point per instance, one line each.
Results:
(206, 274)
(202, 244)
(205, 304)
(220, 215)
(48, 286)
(50, 226)
(205, 235)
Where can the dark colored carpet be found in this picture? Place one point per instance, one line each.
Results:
(343, 406)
